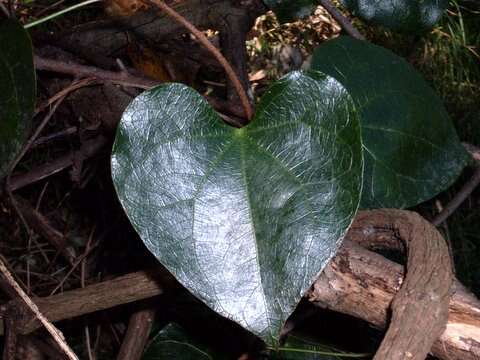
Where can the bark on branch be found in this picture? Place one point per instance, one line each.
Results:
(361, 283)
(357, 282)
(420, 308)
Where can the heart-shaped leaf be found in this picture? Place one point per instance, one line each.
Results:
(411, 149)
(290, 10)
(173, 342)
(244, 218)
(403, 15)
(17, 90)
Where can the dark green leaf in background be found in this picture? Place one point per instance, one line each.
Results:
(244, 218)
(403, 15)
(17, 90)
(411, 149)
(172, 342)
(290, 10)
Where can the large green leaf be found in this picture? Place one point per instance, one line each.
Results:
(244, 218)
(17, 90)
(404, 15)
(172, 342)
(411, 149)
(290, 10)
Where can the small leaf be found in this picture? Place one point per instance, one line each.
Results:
(17, 90)
(172, 342)
(291, 10)
(244, 218)
(411, 149)
(403, 15)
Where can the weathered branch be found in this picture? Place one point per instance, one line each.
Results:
(357, 282)
(136, 337)
(362, 284)
(420, 308)
(72, 68)
(88, 149)
(104, 295)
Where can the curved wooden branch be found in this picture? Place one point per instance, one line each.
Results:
(362, 284)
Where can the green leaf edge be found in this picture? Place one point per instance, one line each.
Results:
(22, 112)
(465, 160)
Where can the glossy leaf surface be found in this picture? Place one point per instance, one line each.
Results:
(244, 218)
(411, 149)
(172, 342)
(17, 90)
(291, 10)
(404, 15)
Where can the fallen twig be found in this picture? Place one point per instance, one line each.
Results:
(104, 295)
(32, 139)
(88, 149)
(465, 191)
(56, 334)
(459, 198)
(73, 68)
(137, 335)
(64, 92)
(56, 135)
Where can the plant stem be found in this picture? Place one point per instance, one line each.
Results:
(215, 52)
(344, 22)
(459, 198)
(59, 13)
(327, 353)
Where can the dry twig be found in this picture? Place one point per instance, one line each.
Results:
(136, 337)
(215, 52)
(464, 192)
(73, 68)
(88, 149)
(56, 334)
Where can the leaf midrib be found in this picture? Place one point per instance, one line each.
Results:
(243, 169)
(217, 160)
